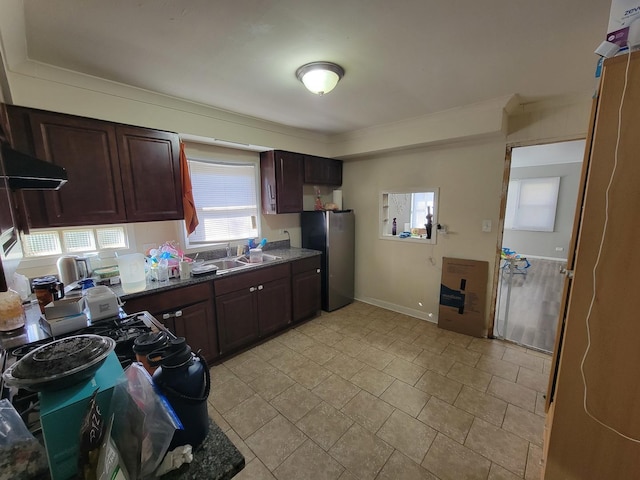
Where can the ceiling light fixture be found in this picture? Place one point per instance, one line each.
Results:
(320, 77)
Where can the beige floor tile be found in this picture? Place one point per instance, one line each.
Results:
(499, 473)
(379, 340)
(320, 353)
(500, 368)
(400, 467)
(361, 452)
(217, 418)
(309, 462)
(229, 394)
(431, 343)
(462, 355)
(220, 374)
(504, 448)
(534, 463)
(246, 452)
(541, 403)
(250, 415)
(405, 397)
(488, 347)
(447, 419)
(404, 333)
(368, 411)
(270, 349)
(251, 369)
(375, 357)
(295, 402)
(275, 441)
(347, 475)
(328, 337)
(525, 424)
(511, 392)
(442, 387)
(451, 461)
(434, 362)
(456, 338)
(482, 405)
(372, 380)
(355, 332)
(350, 346)
(254, 470)
(344, 365)
(271, 384)
(297, 342)
(239, 359)
(310, 328)
(406, 371)
(336, 391)
(523, 359)
(536, 381)
(324, 425)
(310, 374)
(400, 348)
(470, 376)
(412, 437)
(288, 360)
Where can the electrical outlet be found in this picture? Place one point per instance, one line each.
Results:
(281, 231)
(486, 226)
(559, 249)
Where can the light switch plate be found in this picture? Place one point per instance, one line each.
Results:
(486, 225)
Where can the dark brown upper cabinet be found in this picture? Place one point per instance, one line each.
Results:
(117, 173)
(322, 171)
(282, 175)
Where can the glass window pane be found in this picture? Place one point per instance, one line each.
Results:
(78, 240)
(41, 243)
(112, 237)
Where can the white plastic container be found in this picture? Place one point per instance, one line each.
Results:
(132, 274)
(101, 302)
(255, 255)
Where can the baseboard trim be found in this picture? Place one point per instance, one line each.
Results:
(399, 309)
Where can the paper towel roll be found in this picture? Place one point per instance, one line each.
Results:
(337, 198)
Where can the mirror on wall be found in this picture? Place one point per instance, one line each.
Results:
(409, 215)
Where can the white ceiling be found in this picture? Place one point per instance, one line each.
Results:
(403, 58)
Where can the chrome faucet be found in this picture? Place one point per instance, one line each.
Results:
(228, 249)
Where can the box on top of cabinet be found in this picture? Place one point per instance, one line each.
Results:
(463, 295)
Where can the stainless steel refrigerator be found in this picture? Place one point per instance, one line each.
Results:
(333, 233)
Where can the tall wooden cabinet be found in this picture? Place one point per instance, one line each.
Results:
(282, 176)
(599, 333)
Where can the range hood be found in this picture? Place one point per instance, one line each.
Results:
(24, 172)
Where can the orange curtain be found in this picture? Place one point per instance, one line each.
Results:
(190, 215)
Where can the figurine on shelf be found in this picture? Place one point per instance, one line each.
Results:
(394, 227)
(429, 224)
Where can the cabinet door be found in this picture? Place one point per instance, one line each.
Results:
(322, 171)
(150, 167)
(237, 319)
(197, 325)
(88, 150)
(282, 178)
(306, 290)
(274, 305)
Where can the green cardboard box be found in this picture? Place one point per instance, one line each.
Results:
(62, 412)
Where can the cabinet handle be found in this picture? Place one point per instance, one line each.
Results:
(260, 287)
(178, 313)
(317, 270)
(167, 316)
(252, 289)
(271, 195)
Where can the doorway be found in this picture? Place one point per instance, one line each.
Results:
(538, 223)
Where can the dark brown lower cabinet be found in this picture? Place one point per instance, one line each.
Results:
(252, 305)
(306, 288)
(188, 312)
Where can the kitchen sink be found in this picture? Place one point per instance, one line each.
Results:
(231, 264)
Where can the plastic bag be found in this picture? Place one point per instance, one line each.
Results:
(21, 456)
(144, 425)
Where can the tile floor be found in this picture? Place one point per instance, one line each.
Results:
(366, 393)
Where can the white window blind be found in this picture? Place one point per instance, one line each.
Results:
(74, 240)
(226, 201)
(531, 204)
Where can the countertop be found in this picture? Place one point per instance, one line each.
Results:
(216, 459)
(286, 254)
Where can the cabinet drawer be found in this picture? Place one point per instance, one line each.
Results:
(305, 264)
(171, 299)
(250, 278)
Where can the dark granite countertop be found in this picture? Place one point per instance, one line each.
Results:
(216, 459)
(286, 254)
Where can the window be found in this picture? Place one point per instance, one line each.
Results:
(531, 204)
(41, 243)
(225, 195)
(415, 214)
